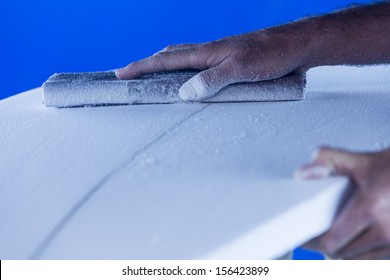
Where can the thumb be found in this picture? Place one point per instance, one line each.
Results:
(207, 83)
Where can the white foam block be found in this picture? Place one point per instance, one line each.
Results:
(103, 88)
(180, 180)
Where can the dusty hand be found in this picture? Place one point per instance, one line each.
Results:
(362, 228)
(262, 55)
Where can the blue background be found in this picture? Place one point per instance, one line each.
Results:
(41, 37)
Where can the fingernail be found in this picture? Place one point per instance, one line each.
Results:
(313, 172)
(194, 90)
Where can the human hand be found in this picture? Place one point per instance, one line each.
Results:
(274, 52)
(262, 55)
(362, 229)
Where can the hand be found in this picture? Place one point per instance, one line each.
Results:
(262, 55)
(355, 36)
(362, 229)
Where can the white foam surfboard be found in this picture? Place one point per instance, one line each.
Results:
(180, 181)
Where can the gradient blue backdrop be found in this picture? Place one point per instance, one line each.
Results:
(41, 37)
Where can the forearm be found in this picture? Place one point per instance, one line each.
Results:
(356, 36)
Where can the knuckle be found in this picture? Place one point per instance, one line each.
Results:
(158, 55)
(158, 61)
(169, 47)
(158, 58)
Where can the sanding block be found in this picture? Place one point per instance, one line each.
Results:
(104, 88)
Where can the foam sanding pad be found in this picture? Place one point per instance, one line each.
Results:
(104, 88)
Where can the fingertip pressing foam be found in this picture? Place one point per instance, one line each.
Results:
(104, 88)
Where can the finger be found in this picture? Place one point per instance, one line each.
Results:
(164, 61)
(177, 47)
(323, 163)
(342, 162)
(382, 253)
(313, 171)
(208, 82)
(349, 224)
(367, 241)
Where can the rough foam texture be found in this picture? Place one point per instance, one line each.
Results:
(103, 88)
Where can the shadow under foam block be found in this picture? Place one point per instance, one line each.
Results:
(104, 88)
